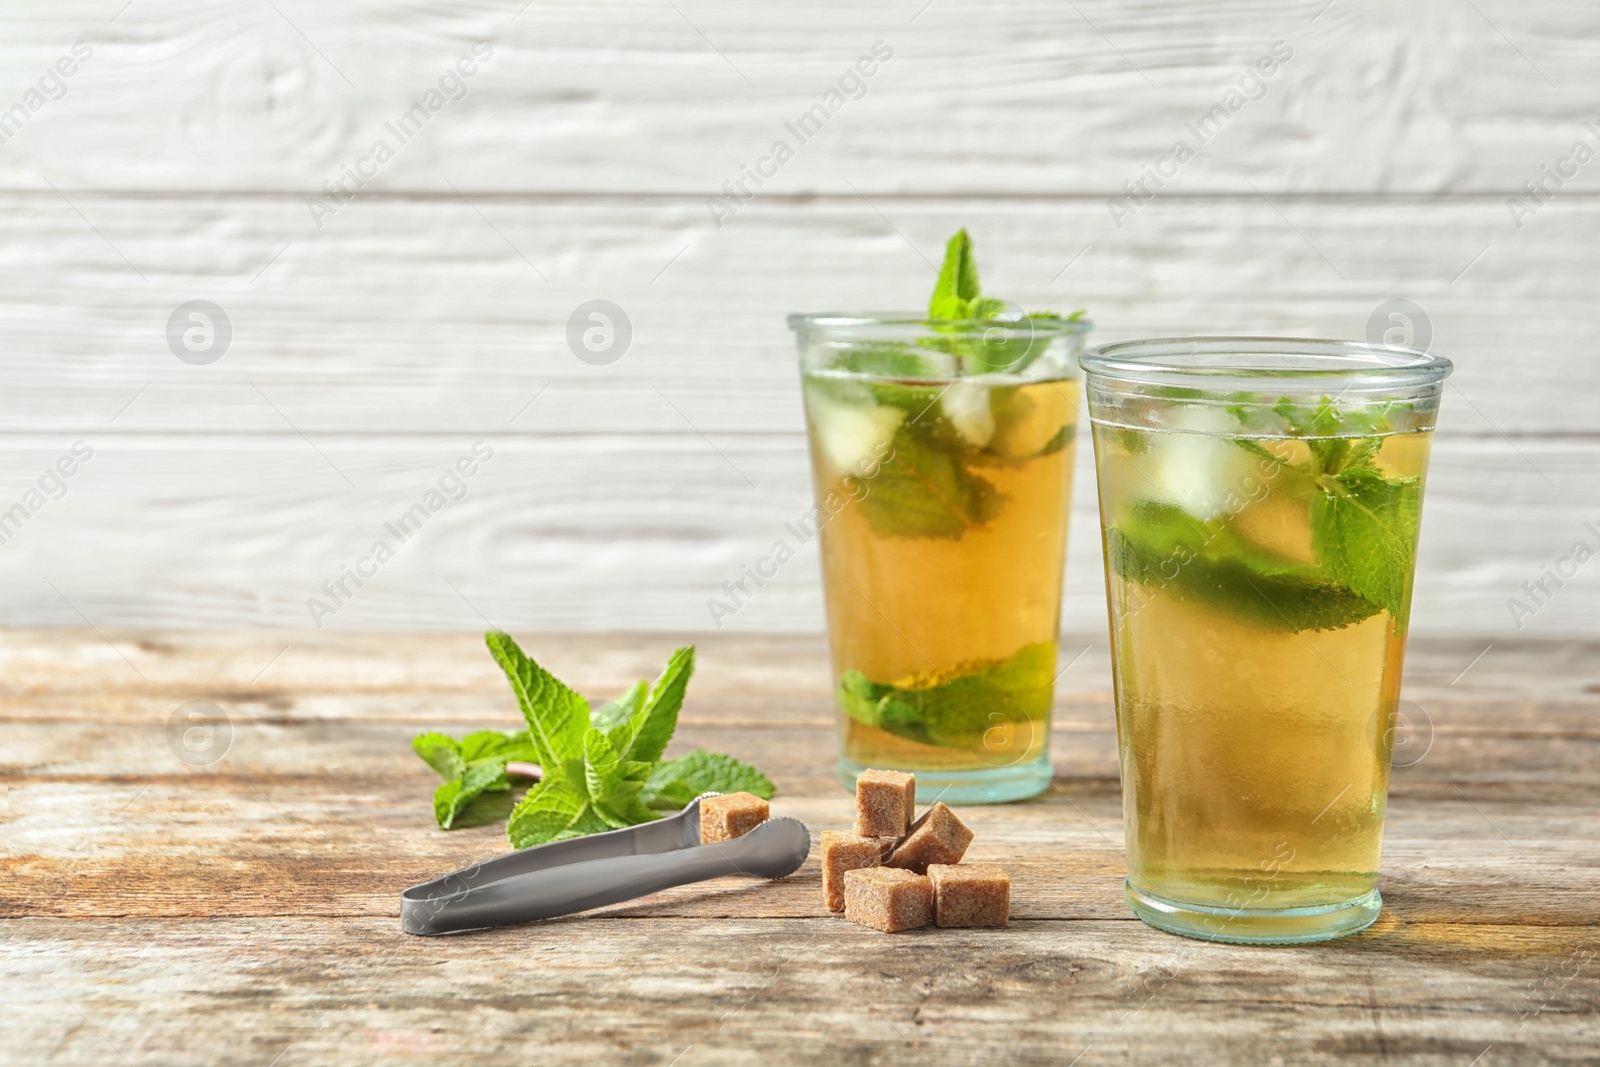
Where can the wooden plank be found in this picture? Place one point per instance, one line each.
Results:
(175, 531)
(407, 317)
(639, 991)
(1021, 98)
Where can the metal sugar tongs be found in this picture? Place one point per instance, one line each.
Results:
(590, 872)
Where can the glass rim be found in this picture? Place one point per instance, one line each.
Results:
(844, 320)
(1224, 361)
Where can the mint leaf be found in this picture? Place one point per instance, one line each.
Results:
(895, 361)
(1363, 526)
(925, 492)
(874, 705)
(563, 806)
(613, 713)
(613, 783)
(645, 735)
(958, 280)
(626, 809)
(673, 783)
(602, 767)
(548, 812)
(441, 753)
(486, 744)
(956, 707)
(596, 761)
(556, 716)
(471, 767)
(1364, 531)
(1165, 549)
(957, 293)
(451, 797)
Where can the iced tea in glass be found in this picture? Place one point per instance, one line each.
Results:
(1260, 501)
(941, 454)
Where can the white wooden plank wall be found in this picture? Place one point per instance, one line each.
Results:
(377, 336)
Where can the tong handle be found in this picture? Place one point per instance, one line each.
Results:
(535, 884)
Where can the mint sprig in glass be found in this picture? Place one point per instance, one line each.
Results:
(1260, 501)
(942, 451)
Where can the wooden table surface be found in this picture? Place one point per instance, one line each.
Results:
(245, 911)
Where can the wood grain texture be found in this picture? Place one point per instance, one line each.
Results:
(742, 991)
(404, 318)
(628, 96)
(149, 906)
(433, 306)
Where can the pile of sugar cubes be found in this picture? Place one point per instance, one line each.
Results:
(896, 872)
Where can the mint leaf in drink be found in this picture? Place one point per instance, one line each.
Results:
(920, 491)
(556, 716)
(958, 295)
(986, 307)
(673, 783)
(1337, 438)
(1364, 531)
(1161, 546)
(875, 705)
(956, 707)
(957, 285)
(1363, 523)
(896, 361)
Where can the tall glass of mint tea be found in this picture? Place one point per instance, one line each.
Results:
(1259, 501)
(941, 452)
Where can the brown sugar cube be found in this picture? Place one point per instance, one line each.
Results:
(885, 803)
(937, 837)
(887, 899)
(970, 894)
(729, 816)
(844, 851)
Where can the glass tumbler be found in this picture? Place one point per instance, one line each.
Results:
(941, 455)
(1259, 503)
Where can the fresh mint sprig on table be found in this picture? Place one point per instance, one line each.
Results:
(470, 767)
(602, 767)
